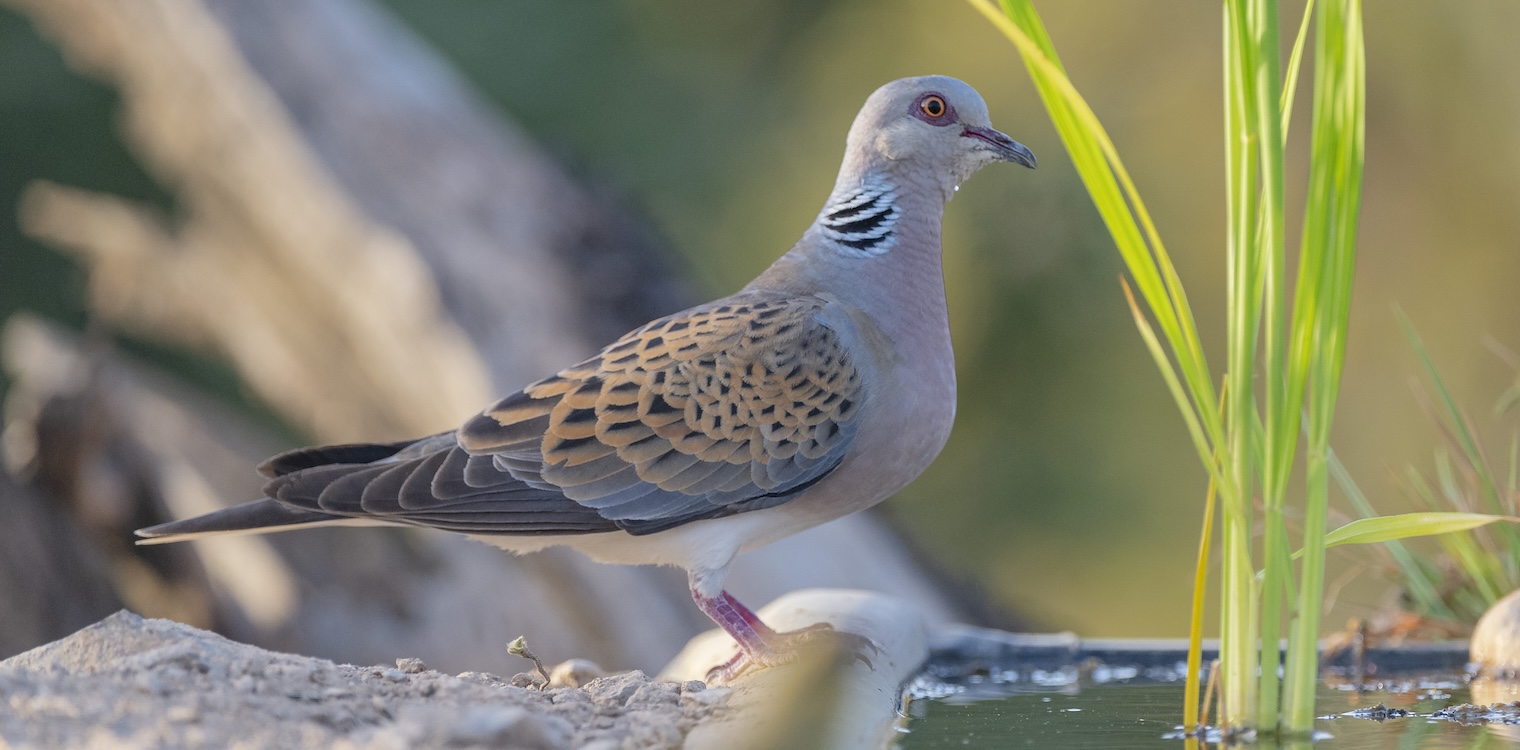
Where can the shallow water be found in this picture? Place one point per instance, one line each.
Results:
(1130, 711)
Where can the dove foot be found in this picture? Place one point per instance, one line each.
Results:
(760, 646)
(783, 648)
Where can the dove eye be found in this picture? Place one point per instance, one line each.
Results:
(933, 109)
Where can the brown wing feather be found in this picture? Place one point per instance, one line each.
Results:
(756, 383)
(735, 406)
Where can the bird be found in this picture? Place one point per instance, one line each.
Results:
(819, 389)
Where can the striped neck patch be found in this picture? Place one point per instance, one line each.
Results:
(860, 220)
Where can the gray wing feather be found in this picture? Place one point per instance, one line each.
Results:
(735, 406)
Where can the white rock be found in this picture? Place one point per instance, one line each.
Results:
(777, 706)
(1496, 638)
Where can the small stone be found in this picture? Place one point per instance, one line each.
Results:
(394, 675)
(655, 694)
(693, 686)
(411, 666)
(618, 688)
(526, 680)
(574, 673)
(569, 696)
(482, 678)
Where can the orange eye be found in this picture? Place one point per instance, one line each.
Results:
(933, 106)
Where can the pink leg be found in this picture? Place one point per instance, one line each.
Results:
(749, 617)
(737, 620)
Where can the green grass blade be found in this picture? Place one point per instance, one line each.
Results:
(1420, 584)
(1456, 421)
(1192, 721)
(1118, 202)
(1173, 384)
(1239, 650)
(1406, 525)
(1290, 86)
(1461, 547)
(1256, 268)
(1328, 257)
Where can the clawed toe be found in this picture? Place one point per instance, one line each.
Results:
(841, 642)
(783, 648)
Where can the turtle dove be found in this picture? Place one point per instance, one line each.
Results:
(818, 390)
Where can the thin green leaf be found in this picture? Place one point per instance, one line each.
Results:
(1290, 86)
(1118, 202)
(1422, 586)
(1406, 525)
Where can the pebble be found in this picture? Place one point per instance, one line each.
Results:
(527, 680)
(618, 688)
(575, 673)
(411, 666)
(655, 694)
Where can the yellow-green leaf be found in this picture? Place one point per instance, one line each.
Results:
(1405, 525)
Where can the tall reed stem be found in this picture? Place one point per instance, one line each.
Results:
(1274, 367)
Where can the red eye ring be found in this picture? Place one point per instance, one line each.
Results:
(934, 106)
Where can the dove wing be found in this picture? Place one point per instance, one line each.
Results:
(734, 406)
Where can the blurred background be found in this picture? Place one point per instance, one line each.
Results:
(700, 139)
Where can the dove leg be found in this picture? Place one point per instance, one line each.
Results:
(738, 621)
(760, 645)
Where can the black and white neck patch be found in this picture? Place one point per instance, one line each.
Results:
(860, 220)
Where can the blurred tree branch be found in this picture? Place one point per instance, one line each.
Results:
(330, 317)
(378, 255)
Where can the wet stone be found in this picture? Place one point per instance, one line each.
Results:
(1379, 712)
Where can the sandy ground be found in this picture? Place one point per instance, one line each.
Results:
(127, 682)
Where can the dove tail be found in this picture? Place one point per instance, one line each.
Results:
(256, 517)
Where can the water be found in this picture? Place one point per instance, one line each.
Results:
(1129, 710)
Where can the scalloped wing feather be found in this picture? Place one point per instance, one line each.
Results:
(736, 400)
(735, 406)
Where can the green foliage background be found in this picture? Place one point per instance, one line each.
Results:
(1069, 489)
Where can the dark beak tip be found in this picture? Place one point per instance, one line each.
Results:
(1017, 153)
(1006, 149)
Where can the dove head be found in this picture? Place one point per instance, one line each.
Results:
(931, 129)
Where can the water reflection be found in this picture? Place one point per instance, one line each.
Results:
(1126, 714)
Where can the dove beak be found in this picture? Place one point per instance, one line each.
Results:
(1001, 146)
